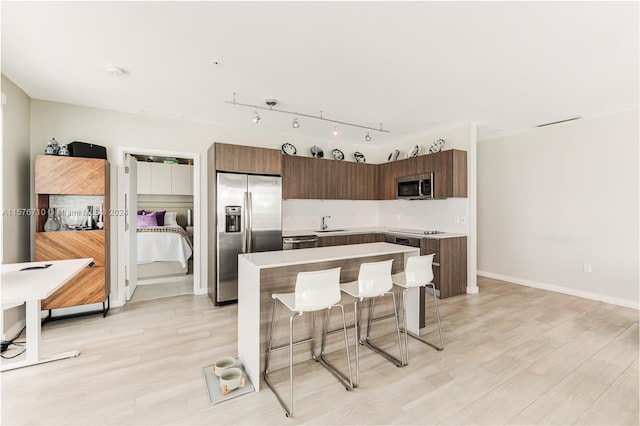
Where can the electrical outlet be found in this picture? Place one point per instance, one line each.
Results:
(463, 220)
(587, 268)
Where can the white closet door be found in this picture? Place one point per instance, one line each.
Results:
(160, 178)
(144, 178)
(180, 179)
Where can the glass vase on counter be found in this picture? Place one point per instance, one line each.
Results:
(53, 223)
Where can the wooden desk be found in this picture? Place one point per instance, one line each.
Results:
(32, 286)
(261, 274)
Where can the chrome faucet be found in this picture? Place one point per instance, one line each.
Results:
(324, 222)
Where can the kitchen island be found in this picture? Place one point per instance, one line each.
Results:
(262, 274)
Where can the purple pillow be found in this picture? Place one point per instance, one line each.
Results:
(147, 220)
(160, 218)
(140, 212)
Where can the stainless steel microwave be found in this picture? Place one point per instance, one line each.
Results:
(416, 187)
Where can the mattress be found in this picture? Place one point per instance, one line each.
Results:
(163, 244)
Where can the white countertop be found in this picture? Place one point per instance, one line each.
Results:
(415, 233)
(272, 259)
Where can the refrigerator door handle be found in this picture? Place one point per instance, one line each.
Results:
(244, 230)
(249, 221)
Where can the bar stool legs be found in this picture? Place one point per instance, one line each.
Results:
(407, 333)
(367, 340)
(345, 380)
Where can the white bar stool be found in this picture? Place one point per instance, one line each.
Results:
(418, 273)
(374, 279)
(314, 291)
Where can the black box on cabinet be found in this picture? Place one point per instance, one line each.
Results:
(87, 150)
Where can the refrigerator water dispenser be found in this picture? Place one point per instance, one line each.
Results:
(232, 218)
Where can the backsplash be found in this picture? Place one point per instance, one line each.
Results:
(441, 215)
(307, 214)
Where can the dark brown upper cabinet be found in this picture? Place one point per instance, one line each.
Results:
(449, 169)
(316, 178)
(247, 159)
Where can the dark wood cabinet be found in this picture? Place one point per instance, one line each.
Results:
(449, 169)
(316, 178)
(247, 159)
(449, 264)
(304, 177)
(341, 240)
(387, 173)
(68, 178)
(351, 181)
(450, 174)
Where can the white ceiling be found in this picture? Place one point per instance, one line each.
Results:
(417, 67)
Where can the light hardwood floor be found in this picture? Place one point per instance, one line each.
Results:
(513, 355)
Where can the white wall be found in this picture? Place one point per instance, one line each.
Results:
(558, 197)
(15, 188)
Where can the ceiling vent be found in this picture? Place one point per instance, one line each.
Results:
(558, 122)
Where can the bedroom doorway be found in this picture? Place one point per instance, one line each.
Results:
(160, 255)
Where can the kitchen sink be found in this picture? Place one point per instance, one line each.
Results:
(331, 230)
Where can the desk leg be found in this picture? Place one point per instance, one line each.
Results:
(33, 341)
(33, 331)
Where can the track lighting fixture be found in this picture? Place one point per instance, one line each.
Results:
(296, 123)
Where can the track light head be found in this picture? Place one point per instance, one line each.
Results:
(367, 137)
(256, 117)
(271, 102)
(335, 129)
(295, 123)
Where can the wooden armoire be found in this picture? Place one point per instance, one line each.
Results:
(72, 177)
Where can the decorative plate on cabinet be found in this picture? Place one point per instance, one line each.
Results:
(393, 156)
(317, 152)
(337, 154)
(436, 146)
(359, 157)
(414, 152)
(289, 149)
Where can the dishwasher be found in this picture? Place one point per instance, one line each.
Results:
(411, 242)
(305, 241)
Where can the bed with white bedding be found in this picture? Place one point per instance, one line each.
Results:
(163, 250)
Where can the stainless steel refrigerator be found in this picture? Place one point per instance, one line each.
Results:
(249, 220)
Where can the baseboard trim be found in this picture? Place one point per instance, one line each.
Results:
(633, 304)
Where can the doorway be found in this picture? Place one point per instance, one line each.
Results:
(157, 279)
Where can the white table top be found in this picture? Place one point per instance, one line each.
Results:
(20, 286)
(272, 259)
